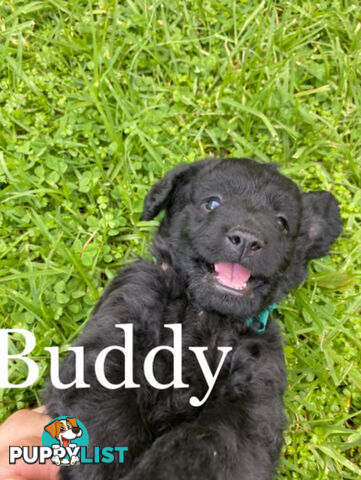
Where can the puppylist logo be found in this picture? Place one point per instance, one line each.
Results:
(65, 436)
(65, 441)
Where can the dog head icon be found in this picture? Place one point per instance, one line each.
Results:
(64, 430)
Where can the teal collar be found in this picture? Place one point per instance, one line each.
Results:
(259, 323)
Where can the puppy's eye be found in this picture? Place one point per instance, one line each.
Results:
(62, 428)
(212, 203)
(283, 224)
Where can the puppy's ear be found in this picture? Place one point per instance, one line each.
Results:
(161, 192)
(51, 428)
(321, 222)
(72, 421)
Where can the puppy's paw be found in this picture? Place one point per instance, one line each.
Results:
(246, 365)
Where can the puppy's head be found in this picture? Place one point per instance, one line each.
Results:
(64, 430)
(239, 232)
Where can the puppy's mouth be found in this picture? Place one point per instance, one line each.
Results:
(232, 277)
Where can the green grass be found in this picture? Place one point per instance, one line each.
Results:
(100, 99)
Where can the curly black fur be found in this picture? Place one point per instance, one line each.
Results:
(237, 433)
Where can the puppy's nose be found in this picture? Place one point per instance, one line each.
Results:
(244, 242)
(76, 429)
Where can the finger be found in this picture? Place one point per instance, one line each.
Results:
(36, 471)
(41, 409)
(21, 425)
(31, 472)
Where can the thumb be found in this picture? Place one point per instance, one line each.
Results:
(25, 471)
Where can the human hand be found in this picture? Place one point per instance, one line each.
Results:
(24, 427)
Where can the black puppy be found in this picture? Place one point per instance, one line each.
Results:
(236, 236)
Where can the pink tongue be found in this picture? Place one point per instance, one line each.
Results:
(232, 274)
(66, 442)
